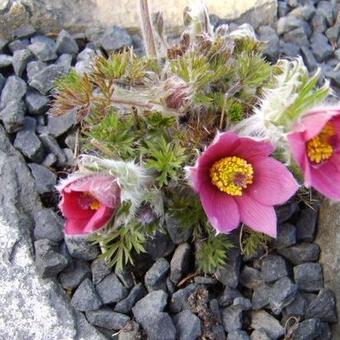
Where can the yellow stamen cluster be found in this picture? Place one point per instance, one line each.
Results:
(231, 175)
(319, 148)
(92, 202)
(95, 204)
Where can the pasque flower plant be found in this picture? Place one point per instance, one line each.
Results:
(203, 132)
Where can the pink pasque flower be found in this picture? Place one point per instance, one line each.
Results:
(314, 144)
(88, 202)
(238, 181)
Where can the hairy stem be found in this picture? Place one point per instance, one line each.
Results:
(147, 29)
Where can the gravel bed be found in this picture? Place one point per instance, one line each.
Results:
(268, 296)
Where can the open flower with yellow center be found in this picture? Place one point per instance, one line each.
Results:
(314, 144)
(238, 181)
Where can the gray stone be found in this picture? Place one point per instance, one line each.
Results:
(20, 60)
(308, 329)
(37, 103)
(250, 277)
(43, 81)
(322, 50)
(228, 296)
(319, 23)
(28, 143)
(205, 280)
(85, 297)
(130, 331)
(261, 320)
(125, 305)
(323, 307)
(155, 277)
(87, 54)
(74, 274)
(328, 10)
(268, 34)
(13, 115)
(49, 262)
(107, 318)
(282, 8)
(273, 268)
(99, 270)
(159, 326)
(296, 36)
(111, 290)
(58, 125)
(259, 334)
(48, 225)
(65, 60)
(66, 43)
(300, 253)
(238, 335)
(244, 303)
(306, 225)
(51, 145)
(289, 50)
(188, 325)
(2, 82)
(333, 33)
(126, 277)
(3, 44)
(215, 310)
(286, 211)
(308, 58)
(286, 236)
(232, 318)
(308, 277)
(159, 245)
(50, 160)
(260, 297)
(81, 248)
(180, 262)
(229, 274)
(30, 123)
(5, 60)
(288, 23)
(44, 50)
(14, 89)
(70, 140)
(154, 302)
(336, 54)
(18, 44)
(326, 332)
(34, 67)
(282, 294)
(24, 31)
(303, 12)
(45, 180)
(179, 299)
(177, 233)
(297, 307)
(114, 39)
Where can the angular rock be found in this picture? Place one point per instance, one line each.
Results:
(244, 303)
(288, 23)
(2, 82)
(259, 334)
(282, 294)
(159, 326)
(13, 115)
(268, 34)
(180, 262)
(29, 144)
(308, 329)
(126, 278)
(43, 81)
(238, 335)
(49, 161)
(20, 60)
(99, 270)
(85, 298)
(301, 253)
(308, 58)
(45, 180)
(159, 245)
(125, 305)
(18, 44)
(232, 318)
(297, 307)
(322, 50)
(155, 277)
(188, 325)
(286, 236)
(66, 43)
(297, 36)
(215, 310)
(250, 277)
(308, 277)
(107, 318)
(152, 303)
(319, 23)
(286, 211)
(306, 225)
(59, 125)
(228, 296)
(130, 331)
(111, 290)
(328, 10)
(43, 49)
(65, 60)
(52, 146)
(303, 12)
(49, 262)
(48, 225)
(323, 307)
(81, 248)
(37, 104)
(260, 297)
(261, 320)
(177, 233)
(230, 273)
(114, 39)
(14, 89)
(74, 274)
(179, 300)
(5, 60)
(289, 49)
(25, 31)
(33, 68)
(273, 268)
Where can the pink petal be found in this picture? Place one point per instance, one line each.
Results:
(71, 208)
(221, 209)
(99, 219)
(248, 148)
(314, 121)
(273, 183)
(75, 227)
(257, 216)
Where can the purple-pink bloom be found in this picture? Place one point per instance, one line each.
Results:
(314, 144)
(238, 181)
(88, 202)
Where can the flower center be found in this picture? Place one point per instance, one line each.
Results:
(87, 201)
(320, 148)
(231, 175)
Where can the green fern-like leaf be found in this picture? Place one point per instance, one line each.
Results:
(253, 241)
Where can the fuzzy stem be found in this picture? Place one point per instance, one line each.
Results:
(147, 30)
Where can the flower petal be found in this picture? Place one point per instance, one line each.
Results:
(221, 209)
(273, 183)
(71, 208)
(75, 227)
(248, 148)
(257, 216)
(101, 217)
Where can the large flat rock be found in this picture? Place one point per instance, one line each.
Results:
(52, 15)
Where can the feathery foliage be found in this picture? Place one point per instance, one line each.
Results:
(253, 241)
